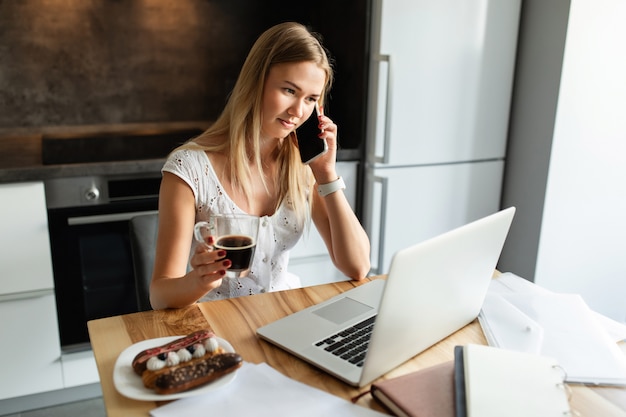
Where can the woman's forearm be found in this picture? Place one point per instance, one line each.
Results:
(347, 242)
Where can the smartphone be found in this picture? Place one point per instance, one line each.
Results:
(309, 144)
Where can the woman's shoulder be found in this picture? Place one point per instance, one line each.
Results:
(184, 157)
(187, 156)
(193, 157)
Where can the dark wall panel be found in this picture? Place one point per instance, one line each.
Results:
(76, 62)
(83, 62)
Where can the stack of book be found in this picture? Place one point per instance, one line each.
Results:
(481, 381)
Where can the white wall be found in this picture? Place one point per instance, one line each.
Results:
(566, 161)
(582, 247)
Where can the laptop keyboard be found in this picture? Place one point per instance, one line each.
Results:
(350, 344)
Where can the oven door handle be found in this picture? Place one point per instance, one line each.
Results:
(106, 218)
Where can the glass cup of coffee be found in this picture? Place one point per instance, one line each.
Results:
(234, 233)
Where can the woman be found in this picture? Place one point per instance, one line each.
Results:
(248, 161)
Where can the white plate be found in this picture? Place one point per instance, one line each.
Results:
(130, 385)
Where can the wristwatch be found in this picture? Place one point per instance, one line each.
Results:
(331, 187)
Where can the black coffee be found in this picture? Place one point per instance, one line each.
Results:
(239, 249)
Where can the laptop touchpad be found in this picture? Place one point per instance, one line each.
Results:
(342, 310)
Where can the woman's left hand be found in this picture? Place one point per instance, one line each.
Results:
(324, 167)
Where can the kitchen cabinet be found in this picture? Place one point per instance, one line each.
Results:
(441, 77)
(25, 256)
(441, 80)
(27, 303)
(33, 355)
(309, 259)
(414, 204)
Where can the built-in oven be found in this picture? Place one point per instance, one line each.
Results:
(91, 256)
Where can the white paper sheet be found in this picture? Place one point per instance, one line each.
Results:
(508, 327)
(582, 341)
(261, 391)
(510, 283)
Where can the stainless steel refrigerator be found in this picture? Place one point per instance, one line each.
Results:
(441, 77)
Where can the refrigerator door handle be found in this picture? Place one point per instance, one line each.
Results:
(379, 201)
(384, 158)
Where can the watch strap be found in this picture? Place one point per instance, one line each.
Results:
(331, 187)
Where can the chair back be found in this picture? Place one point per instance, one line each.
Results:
(143, 235)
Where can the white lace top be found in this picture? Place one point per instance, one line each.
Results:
(278, 233)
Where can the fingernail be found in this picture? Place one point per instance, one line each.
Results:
(227, 263)
(221, 253)
(221, 272)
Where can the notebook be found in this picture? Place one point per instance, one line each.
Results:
(428, 392)
(499, 382)
(432, 289)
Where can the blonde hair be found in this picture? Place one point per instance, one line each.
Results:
(240, 121)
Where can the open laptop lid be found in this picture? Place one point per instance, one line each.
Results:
(433, 289)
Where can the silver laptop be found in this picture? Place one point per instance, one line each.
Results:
(432, 289)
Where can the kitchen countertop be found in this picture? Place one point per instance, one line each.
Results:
(43, 172)
(21, 151)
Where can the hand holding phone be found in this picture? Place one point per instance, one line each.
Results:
(309, 144)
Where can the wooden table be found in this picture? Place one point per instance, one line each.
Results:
(237, 319)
